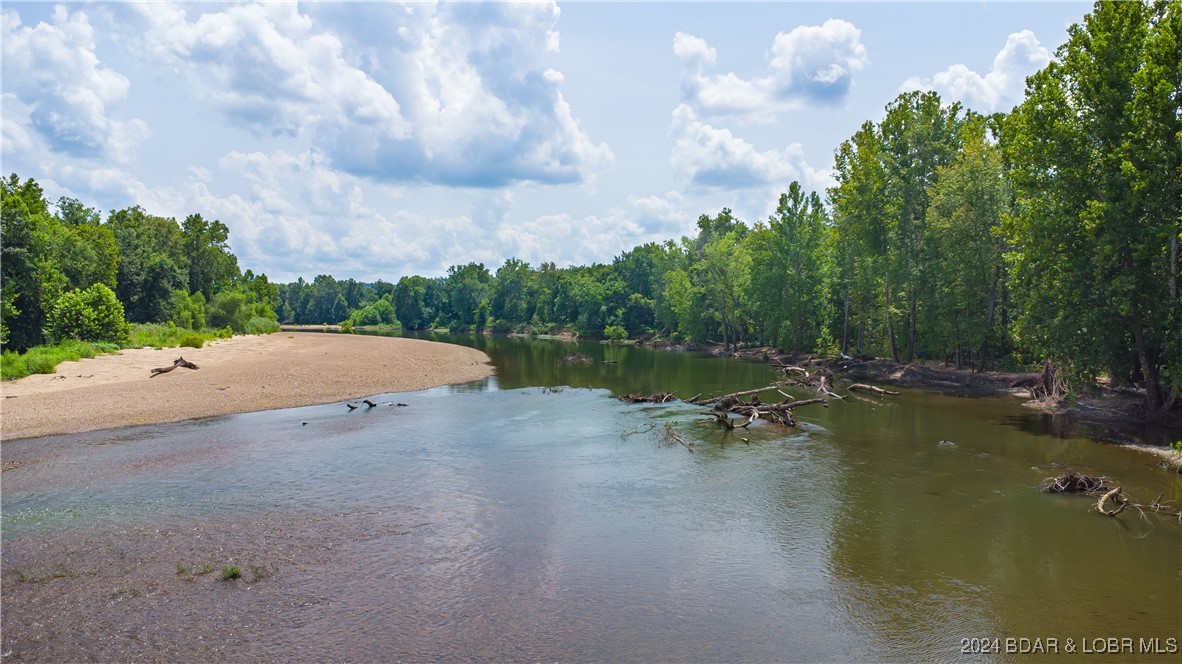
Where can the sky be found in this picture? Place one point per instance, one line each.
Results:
(379, 140)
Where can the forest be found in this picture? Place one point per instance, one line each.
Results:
(1049, 233)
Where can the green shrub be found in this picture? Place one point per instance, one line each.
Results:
(191, 340)
(94, 314)
(12, 366)
(41, 363)
(260, 325)
(231, 572)
(347, 327)
(615, 333)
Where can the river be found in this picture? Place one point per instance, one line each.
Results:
(533, 516)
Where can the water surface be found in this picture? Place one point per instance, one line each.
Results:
(533, 516)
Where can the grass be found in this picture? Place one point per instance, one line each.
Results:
(190, 572)
(231, 572)
(59, 571)
(44, 359)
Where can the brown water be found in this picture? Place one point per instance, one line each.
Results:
(505, 520)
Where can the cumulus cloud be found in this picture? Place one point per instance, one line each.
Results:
(57, 88)
(268, 68)
(708, 156)
(443, 94)
(1001, 87)
(809, 64)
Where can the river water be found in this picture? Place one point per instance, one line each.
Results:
(533, 516)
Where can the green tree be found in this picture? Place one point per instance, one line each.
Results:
(30, 276)
(211, 265)
(965, 258)
(152, 263)
(509, 301)
(410, 306)
(1091, 236)
(723, 275)
(467, 286)
(789, 286)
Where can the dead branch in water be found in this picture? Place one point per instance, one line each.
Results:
(870, 388)
(658, 397)
(180, 362)
(670, 434)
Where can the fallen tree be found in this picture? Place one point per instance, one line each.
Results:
(180, 362)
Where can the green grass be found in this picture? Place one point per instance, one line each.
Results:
(230, 572)
(44, 359)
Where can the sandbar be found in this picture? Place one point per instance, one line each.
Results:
(237, 375)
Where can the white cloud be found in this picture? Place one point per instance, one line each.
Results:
(268, 68)
(1001, 87)
(58, 89)
(442, 94)
(809, 64)
(708, 156)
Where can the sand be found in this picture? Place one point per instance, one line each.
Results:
(242, 374)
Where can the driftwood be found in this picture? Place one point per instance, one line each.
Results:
(755, 409)
(571, 358)
(672, 437)
(659, 397)
(1074, 482)
(180, 362)
(870, 388)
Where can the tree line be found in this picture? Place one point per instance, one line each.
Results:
(67, 274)
(1048, 233)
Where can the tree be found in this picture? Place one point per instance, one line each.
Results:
(410, 305)
(790, 271)
(723, 274)
(966, 268)
(29, 267)
(509, 301)
(211, 265)
(152, 263)
(467, 286)
(1092, 237)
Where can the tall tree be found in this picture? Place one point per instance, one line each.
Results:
(790, 271)
(152, 262)
(966, 270)
(1091, 238)
(211, 265)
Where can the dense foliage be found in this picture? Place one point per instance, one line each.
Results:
(67, 275)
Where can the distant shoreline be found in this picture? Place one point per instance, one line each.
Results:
(238, 375)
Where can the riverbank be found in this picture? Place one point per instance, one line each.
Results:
(1120, 414)
(237, 375)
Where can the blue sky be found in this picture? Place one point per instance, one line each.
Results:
(377, 140)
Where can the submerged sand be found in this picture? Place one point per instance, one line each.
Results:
(237, 375)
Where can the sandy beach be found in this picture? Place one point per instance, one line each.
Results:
(237, 375)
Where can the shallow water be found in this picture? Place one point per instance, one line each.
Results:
(533, 516)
